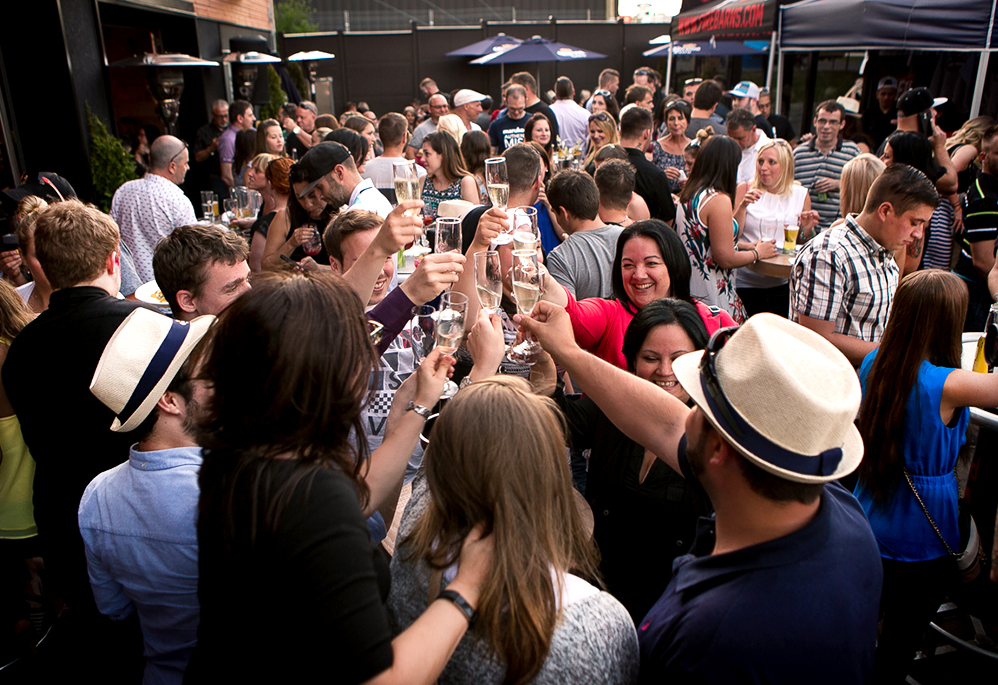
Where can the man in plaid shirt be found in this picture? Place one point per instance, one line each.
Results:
(842, 283)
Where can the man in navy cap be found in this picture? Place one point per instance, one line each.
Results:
(878, 120)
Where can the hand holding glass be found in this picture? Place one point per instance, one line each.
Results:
(488, 279)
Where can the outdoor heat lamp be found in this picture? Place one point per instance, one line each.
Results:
(244, 70)
(310, 57)
(165, 80)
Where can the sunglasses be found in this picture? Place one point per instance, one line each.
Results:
(708, 372)
(644, 72)
(176, 155)
(693, 82)
(604, 93)
(600, 116)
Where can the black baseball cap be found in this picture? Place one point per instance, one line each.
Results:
(319, 161)
(917, 100)
(50, 187)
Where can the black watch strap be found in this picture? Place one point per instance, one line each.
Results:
(462, 604)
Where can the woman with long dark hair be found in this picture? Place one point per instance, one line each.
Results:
(541, 620)
(475, 149)
(709, 232)
(913, 421)
(638, 497)
(292, 227)
(667, 151)
(446, 176)
(269, 139)
(650, 263)
(290, 584)
(538, 130)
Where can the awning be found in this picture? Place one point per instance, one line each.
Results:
(954, 25)
(725, 20)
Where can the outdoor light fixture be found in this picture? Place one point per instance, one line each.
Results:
(244, 70)
(310, 57)
(165, 80)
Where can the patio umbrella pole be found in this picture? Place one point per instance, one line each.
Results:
(772, 59)
(668, 70)
(982, 68)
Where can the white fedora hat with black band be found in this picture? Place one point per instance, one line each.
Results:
(140, 361)
(781, 395)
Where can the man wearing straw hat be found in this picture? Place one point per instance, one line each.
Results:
(138, 520)
(782, 585)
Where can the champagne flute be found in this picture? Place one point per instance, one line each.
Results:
(488, 279)
(450, 330)
(526, 234)
(408, 186)
(448, 234)
(497, 185)
(423, 330)
(528, 284)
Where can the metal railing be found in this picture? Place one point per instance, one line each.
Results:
(399, 20)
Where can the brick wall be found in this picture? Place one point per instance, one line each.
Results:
(253, 13)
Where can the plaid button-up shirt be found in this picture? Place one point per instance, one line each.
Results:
(844, 275)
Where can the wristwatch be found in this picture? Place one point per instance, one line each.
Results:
(419, 409)
(296, 130)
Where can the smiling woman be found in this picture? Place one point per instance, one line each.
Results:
(650, 264)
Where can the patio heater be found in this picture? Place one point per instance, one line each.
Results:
(165, 81)
(310, 57)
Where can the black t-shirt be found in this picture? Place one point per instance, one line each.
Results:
(539, 106)
(505, 132)
(763, 124)
(205, 135)
(304, 598)
(293, 145)
(469, 226)
(652, 184)
(878, 125)
(782, 127)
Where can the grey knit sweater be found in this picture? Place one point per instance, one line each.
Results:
(594, 641)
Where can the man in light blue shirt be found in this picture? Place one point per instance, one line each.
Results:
(139, 519)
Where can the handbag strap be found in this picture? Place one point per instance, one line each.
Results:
(925, 511)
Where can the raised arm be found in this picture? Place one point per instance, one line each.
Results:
(661, 421)
(396, 232)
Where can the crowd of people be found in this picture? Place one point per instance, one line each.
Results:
(230, 452)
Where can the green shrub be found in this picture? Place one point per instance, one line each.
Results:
(277, 96)
(110, 163)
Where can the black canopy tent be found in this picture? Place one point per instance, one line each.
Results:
(731, 21)
(939, 25)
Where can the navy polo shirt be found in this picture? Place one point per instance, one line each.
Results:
(801, 608)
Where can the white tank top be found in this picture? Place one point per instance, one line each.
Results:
(769, 206)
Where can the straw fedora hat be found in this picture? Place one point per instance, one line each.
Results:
(140, 361)
(787, 401)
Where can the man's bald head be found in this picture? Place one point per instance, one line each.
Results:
(168, 158)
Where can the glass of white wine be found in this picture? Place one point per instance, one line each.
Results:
(528, 284)
(408, 186)
(497, 185)
(526, 234)
(450, 329)
(488, 279)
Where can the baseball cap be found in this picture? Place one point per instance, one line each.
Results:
(888, 82)
(916, 101)
(850, 105)
(319, 161)
(745, 89)
(50, 186)
(464, 96)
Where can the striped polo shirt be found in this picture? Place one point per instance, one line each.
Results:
(845, 276)
(810, 165)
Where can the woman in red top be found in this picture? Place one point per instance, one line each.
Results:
(650, 264)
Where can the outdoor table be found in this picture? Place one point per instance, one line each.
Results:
(980, 417)
(778, 266)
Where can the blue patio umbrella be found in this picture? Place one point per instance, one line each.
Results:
(497, 43)
(539, 49)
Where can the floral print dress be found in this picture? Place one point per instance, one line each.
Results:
(709, 283)
(664, 160)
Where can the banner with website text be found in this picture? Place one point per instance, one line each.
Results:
(725, 20)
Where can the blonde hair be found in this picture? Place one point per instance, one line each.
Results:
(28, 211)
(452, 124)
(14, 313)
(609, 128)
(786, 159)
(73, 241)
(972, 132)
(489, 475)
(260, 162)
(857, 178)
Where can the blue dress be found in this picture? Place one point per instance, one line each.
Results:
(930, 452)
(549, 239)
